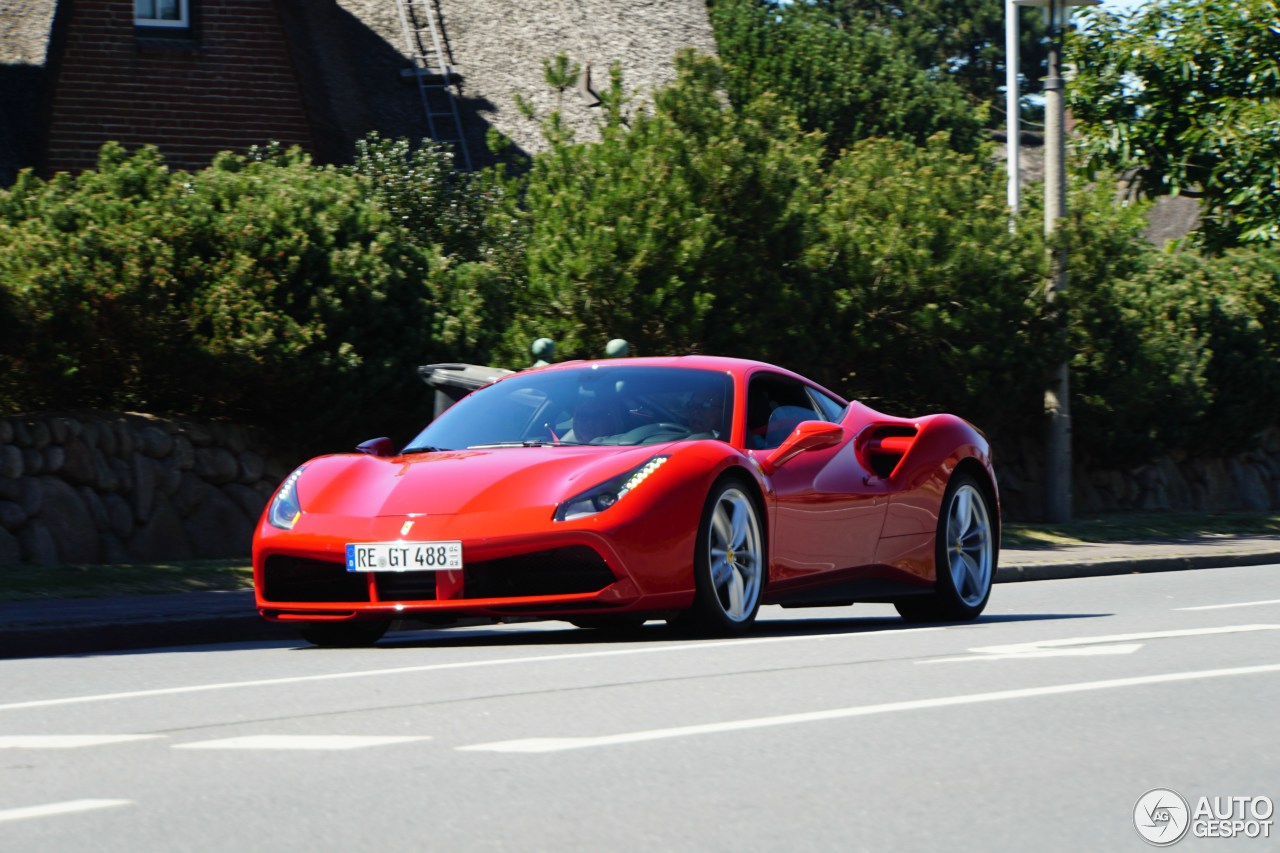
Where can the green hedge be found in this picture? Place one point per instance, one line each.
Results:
(301, 298)
(840, 74)
(261, 288)
(1182, 355)
(932, 298)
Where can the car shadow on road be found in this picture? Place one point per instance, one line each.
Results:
(550, 633)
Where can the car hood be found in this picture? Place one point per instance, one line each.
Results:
(452, 482)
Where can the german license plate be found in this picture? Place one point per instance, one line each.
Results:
(403, 556)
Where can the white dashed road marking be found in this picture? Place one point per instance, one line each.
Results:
(51, 809)
(1226, 606)
(298, 742)
(1115, 644)
(439, 667)
(560, 744)
(65, 741)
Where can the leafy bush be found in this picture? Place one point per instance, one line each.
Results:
(471, 223)
(838, 73)
(1183, 96)
(261, 288)
(933, 301)
(1182, 355)
(890, 274)
(97, 302)
(681, 230)
(710, 227)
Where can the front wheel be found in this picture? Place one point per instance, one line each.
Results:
(965, 557)
(344, 635)
(729, 562)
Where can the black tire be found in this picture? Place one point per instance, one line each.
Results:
(730, 563)
(966, 551)
(344, 635)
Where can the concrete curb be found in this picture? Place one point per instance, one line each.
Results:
(49, 640)
(1046, 571)
(130, 623)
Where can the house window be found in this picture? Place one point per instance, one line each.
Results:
(173, 14)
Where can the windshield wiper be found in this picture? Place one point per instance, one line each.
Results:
(529, 442)
(426, 448)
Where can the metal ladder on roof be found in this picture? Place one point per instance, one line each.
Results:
(437, 79)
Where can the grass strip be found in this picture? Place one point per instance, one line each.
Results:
(1142, 527)
(32, 583)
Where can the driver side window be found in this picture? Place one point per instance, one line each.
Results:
(775, 405)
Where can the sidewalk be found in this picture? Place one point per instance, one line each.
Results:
(1057, 562)
(92, 625)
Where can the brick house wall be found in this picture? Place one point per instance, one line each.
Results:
(227, 84)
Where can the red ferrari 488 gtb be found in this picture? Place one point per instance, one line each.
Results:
(693, 489)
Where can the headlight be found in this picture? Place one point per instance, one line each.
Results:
(285, 507)
(608, 493)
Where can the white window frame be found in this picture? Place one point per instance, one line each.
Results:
(182, 22)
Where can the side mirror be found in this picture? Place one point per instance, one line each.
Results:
(377, 447)
(808, 435)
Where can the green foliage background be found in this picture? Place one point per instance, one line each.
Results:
(860, 68)
(841, 75)
(862, 239)
(1185, 96)
(262, 288)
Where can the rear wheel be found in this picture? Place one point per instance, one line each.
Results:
(965, 556)
(729, 563)
(340, 635)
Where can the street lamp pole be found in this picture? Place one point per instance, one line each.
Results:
(1013, 133)
(1057, 389)
(1057, 406)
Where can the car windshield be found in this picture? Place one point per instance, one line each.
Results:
(602, 404)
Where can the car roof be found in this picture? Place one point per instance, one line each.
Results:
(727, 364)
(738, 367)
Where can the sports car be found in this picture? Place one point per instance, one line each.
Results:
(606, 493)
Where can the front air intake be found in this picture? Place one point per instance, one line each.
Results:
(560, 571)
(287, 578)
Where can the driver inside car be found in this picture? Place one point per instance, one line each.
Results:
(706, 410)
(594, 419)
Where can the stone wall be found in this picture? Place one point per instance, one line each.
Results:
(125, 488)
(1246, 481)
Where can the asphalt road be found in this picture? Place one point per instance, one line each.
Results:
(1037, 728)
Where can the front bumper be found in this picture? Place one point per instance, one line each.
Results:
(571, 569)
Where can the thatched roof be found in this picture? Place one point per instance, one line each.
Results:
(24, 41)
(500, 47)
